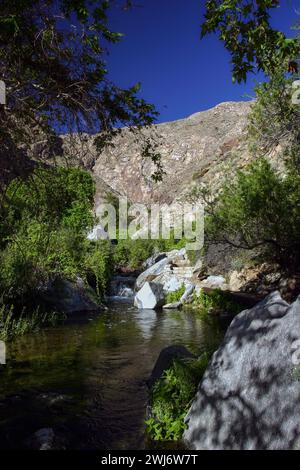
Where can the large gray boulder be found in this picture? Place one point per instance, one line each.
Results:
(151, 273)
(249, 397)
(150, 296)
(161, 271)
(153, 260)
(69, 297)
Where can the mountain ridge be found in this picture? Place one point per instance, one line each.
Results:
(200, 149)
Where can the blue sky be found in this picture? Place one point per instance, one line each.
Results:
(180, 73)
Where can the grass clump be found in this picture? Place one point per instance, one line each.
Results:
(171, 398)
(176, 295)
(12, 325)
(296, 373)
(216, 301)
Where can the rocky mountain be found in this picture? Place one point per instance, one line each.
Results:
(201, 148)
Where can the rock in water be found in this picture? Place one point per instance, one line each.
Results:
(249, 397)
(150, 296)
(69, 297)
(165, 360)
(173, 305)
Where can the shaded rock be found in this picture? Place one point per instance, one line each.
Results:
(43, 439)
(153, 260)
(69, 296)
(165, 360)
(249, 397)
(150, 296)
(188, 291)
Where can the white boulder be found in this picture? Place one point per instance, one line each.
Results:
(150, 296)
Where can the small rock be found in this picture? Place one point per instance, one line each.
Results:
(188, 291)
(165, 360)
(214, 282)
(173, 305)
(43, 439)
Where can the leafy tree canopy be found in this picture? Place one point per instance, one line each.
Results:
(244, 27)
(52, 61)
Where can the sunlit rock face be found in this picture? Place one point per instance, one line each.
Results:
(201, 148)
(249, 397)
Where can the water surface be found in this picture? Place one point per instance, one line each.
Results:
(86, 378)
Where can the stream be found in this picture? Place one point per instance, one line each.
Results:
(85, 379)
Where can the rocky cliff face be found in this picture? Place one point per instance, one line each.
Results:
(200, 148)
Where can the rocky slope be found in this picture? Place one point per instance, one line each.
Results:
(200, 148)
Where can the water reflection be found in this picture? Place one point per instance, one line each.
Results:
(86, 379)
(146, 320)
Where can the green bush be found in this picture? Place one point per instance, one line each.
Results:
(274, 119)
(259, 210)
(44, 226)
(132, 253)
(171, 398)
(98, 266)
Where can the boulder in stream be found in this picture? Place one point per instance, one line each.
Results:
(249, 397)
(69, 297)
(165, 360)
(150, 296)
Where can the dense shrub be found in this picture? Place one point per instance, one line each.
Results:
(132, 253)
(260, 209)
(44, 223)
(98, 266)
(274, 120)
